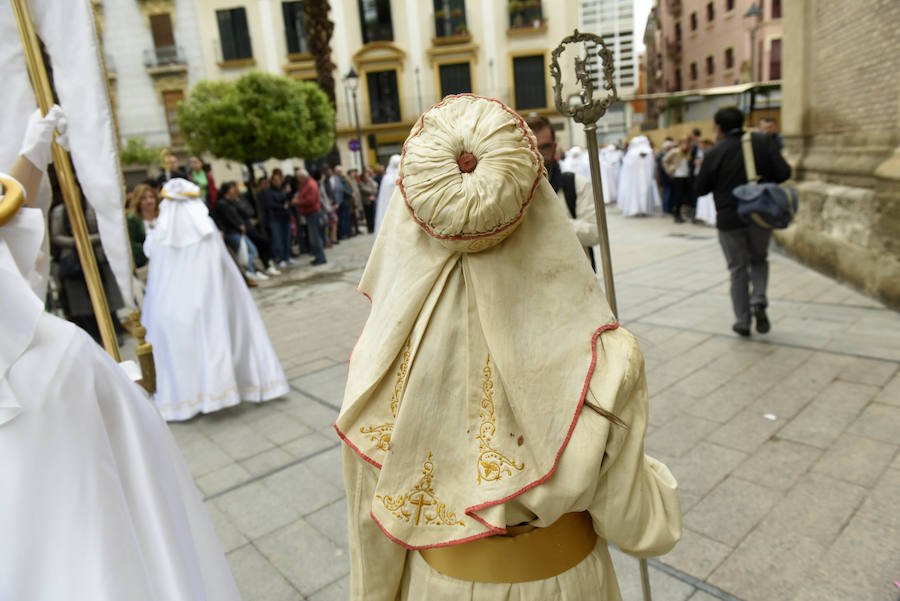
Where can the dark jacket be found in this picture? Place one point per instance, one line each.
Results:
(723, 170)
(274, 203)
(228, 217)
(137, 235)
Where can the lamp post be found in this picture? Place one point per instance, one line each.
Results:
(351, 82)
(752, 16)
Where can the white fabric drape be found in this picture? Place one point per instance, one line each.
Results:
(67, 30)
(386, 190)
(96, 502)
(209, 341)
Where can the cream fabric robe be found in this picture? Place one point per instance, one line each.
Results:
(632, 498)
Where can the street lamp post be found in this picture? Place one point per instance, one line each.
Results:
(351, 82)
(752, 16)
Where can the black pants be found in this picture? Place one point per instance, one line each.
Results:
(370, 217)
(682, 195)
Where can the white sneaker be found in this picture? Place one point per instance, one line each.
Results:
(250, 276)
(272, 270)
(282, 264)
(260, 276)
(291, 262)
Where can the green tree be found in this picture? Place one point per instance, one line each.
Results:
(136, 152)
(257, 117)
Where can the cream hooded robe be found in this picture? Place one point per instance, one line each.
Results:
(476, 392)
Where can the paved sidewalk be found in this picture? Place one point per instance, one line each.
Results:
(785, 446)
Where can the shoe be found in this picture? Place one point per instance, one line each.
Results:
(679, 219)
(762, 320)
(282, 264)
(317, 262)
(258, 275)
(251, 283)
(742, 330)
(272, 270)
(291, 262)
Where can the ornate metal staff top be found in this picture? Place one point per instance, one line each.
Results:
(589, 112)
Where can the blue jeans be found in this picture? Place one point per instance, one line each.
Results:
(233, 241)
(280, 235)
(314, 230)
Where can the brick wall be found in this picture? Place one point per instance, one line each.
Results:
(856, 51)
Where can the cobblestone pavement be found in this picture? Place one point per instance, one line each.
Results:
(785, 446)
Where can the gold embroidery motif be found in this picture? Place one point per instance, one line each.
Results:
(492, 464)
(381, 435)
(420, 505)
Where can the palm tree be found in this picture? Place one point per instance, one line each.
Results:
(319, 30)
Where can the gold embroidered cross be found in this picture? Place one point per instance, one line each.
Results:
(420, 501)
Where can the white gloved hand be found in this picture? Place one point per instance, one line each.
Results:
(39, 136)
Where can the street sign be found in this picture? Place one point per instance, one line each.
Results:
(354, 145)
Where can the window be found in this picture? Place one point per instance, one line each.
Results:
(170, 101)
(710, 65)
(375, 21)
(384, 97)
(694, 21)
(455, 79)
(729, 5)
(776, 9)
(693, 71)
(524, 13)
(678, 85)
(234, 35)
(164, 51)
(775, 60)
(710, 12)
(294, 28)
(678, 32)
(450, 18)
(530, 82)
(729, 58)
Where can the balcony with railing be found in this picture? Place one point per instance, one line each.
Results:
(674, 7)
(526, 16)
(673, 50)
(165, 58)
(450, 25)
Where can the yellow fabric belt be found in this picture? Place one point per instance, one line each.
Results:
(533, 555)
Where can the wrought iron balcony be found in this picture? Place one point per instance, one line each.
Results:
(673, 49)
(674, 7)
(164, 56)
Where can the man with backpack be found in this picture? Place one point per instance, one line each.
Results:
(745, 245)
(571, 188)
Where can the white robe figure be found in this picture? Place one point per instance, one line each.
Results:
(638, 194)
(386, 190)
(209, 341)
(610, 164)
(96, 502)
(577, 161)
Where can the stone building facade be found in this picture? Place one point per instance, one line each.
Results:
(841, 123)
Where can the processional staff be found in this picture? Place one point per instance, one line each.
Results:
(37, 72)
(588, 112)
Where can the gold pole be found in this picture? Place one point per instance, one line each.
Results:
(40, 82)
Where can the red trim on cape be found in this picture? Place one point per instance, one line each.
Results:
(470, 511)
